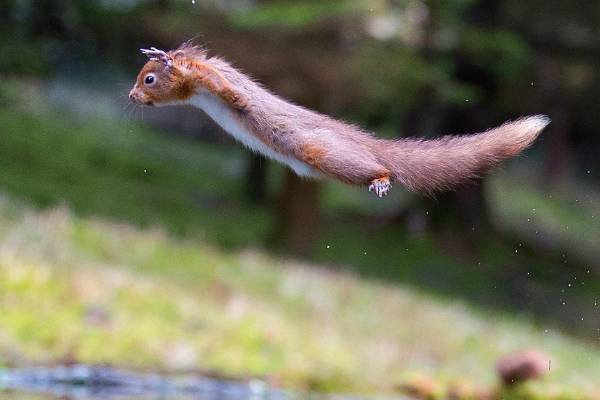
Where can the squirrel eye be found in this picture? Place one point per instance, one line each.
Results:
(149, 80)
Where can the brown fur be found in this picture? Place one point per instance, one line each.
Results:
(313, 155)
(336, 149)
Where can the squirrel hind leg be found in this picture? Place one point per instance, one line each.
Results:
(380, 186)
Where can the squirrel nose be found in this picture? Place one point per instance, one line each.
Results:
(131, 96)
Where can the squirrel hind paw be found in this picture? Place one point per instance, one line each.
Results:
(380, 186)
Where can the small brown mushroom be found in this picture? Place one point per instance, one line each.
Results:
(522, 366)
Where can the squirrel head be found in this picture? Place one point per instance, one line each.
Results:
(166, 78)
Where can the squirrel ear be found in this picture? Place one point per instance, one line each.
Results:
(158, 55)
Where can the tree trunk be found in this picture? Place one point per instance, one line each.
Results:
(552, 94)
(256, 179)
(299, 216)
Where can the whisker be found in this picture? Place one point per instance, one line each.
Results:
(131, 111)
(139, 110)
(125, 116)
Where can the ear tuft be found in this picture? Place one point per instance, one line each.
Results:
(155, 54)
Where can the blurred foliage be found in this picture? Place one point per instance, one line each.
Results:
(293, 15)
(395, 54)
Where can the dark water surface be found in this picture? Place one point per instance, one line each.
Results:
(92, 382)
(83, 382)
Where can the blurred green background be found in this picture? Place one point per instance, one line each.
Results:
(146, 238)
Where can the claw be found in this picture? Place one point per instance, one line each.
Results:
(380, 186)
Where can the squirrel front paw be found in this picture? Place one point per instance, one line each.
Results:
(380, 186)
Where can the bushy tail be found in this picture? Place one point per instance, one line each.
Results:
(441, 164)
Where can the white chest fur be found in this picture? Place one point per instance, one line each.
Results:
(224, 116)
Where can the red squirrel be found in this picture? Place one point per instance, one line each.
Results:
(313, 144)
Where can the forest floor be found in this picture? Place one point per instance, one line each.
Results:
(102, 261)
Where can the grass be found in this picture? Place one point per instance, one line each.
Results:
(98, 291)
(121, 169)
(120, 245)
(569, 220)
